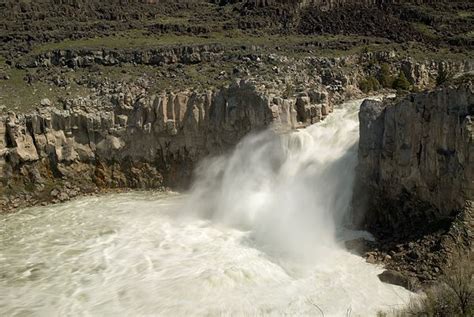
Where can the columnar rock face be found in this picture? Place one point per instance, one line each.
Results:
(136, 140)
(88, 57)
(416, 159)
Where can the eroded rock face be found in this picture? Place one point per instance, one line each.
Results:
(136, 140)
(416, 159)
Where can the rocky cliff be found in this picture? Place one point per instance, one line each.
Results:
(416, 160)
(130, 139)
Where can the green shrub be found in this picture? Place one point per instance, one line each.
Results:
(386, 79)
(401, 82)
(369, 84)
(443, 76)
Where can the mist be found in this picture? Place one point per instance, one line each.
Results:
(291, 191)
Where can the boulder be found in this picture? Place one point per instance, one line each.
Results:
(397, 278)
(45, 102)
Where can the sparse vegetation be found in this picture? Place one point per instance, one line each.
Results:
(453, 296)
(240, 31)
(465, 14)
(19, 95)
(426, 30)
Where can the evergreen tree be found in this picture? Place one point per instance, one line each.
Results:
(401, 82)
(386, 80)
(369, 84)
(443, 76)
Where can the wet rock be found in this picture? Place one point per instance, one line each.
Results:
(371, 258)
(359, 246)
(397, 278)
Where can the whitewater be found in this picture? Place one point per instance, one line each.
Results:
(260, 233)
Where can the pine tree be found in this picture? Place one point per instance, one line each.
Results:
(401, 82)
(386, 80)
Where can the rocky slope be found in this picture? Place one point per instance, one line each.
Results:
(25, 24)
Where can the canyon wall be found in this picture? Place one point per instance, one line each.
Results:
(134, 140)
(127, 135)
(416, 160)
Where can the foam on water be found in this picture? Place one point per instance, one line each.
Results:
(259, 234)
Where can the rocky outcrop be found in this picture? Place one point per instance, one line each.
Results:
(416, 160)
(415, 181)
(85, 57)
(338, 72)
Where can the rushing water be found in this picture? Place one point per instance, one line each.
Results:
(259, 234)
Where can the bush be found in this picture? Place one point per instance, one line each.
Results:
(401, 82)
(443, 76)
(454, 296)
(289, 91)
(369, 84)
(386, 79)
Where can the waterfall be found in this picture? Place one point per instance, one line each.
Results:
(291, 191)
(256, 236)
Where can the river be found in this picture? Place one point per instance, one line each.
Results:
(259, 234)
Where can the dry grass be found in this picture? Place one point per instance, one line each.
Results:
(453, 296)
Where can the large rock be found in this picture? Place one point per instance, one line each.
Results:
(416, 159)
(397, 278)
(23, 146)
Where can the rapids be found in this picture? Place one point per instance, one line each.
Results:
(259, 234)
